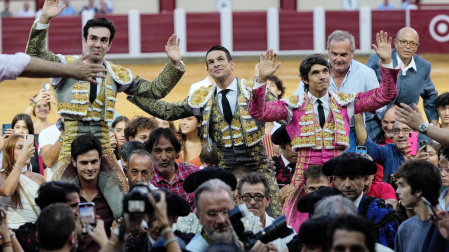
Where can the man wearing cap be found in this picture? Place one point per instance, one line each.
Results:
(253, 191)
(286, 162)
(351, 172)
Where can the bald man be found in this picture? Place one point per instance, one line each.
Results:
(414, 78)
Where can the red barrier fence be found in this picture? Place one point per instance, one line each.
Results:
(249, 30)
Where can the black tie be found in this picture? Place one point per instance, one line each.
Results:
(93, 92)
(292, 165)
(227, 112)
(321, 113)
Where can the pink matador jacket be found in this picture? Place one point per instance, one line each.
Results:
(316, 145)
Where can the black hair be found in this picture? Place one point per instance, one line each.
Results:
(355, 224)
(137, 124)
(119, 119)
(279, 84)
(99, 22)
(162, 132)
(54, 192)
(307, 64)
(442, 100)
(54, 226)
(28, 122)
(421, 175)
(314, 231)
(253, 178)
(129, 147)
(219, 48)
(85, 143)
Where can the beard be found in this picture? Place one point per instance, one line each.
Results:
(226, 237)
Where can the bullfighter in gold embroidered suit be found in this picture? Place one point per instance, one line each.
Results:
(226, 121)
(87, 108)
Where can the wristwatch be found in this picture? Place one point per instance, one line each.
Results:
(423, 127)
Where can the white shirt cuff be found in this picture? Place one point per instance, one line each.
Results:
(40, 26)
(389, 65)
(257, 84)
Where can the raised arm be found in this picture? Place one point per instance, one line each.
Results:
(164, 110)
(360, 130)
(264, 111)
(379, 97)
(37, 41)
(413, 118)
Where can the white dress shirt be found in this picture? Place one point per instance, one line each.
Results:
(324, 101)
(231, 95)
(403, 67)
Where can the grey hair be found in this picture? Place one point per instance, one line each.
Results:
(138, 152)
(337, 204)
(213, 185)
(339, 35)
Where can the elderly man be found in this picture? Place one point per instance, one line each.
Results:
(347, 75)
(214, 201)
(87, 108)
(139, 167)
(164, 147)
(253, 191)
(414, 78)
(351, 172)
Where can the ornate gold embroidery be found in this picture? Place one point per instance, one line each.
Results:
(69, 59)
(120, 71)
(200, 95)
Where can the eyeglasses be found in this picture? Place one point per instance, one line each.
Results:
(214, 214)
(404, 131)
(444, 171)
(247, 197)
(404, 42)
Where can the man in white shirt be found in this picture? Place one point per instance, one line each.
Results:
(50, 143)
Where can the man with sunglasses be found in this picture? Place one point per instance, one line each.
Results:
(253, 191)
(414, 78)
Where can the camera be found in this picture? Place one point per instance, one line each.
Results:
(276, 230)
(136, 201)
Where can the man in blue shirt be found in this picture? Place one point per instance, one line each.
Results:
(348, 75)
(391, 155)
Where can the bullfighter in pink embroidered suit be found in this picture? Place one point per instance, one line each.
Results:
(318, 121)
